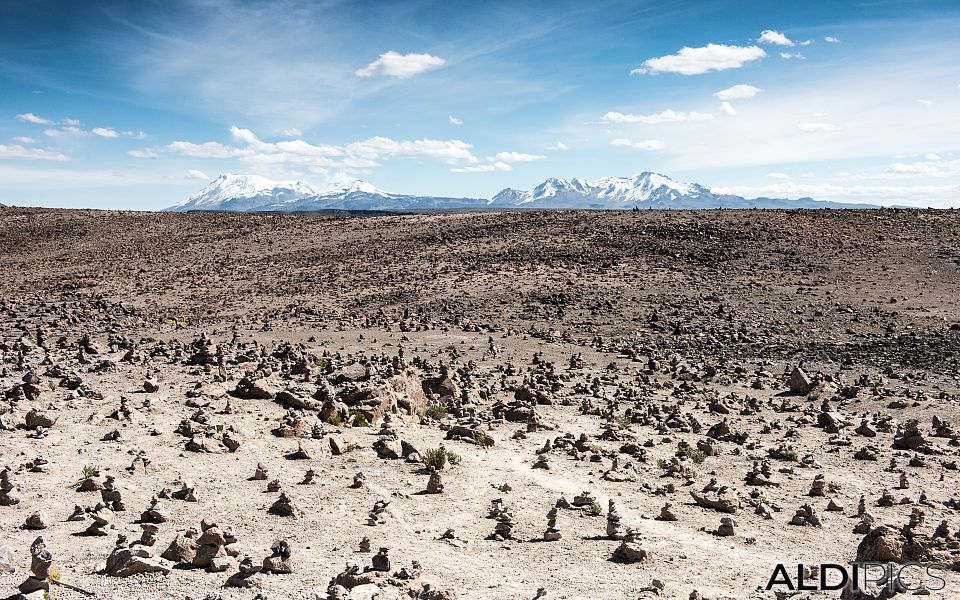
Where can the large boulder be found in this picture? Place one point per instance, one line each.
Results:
(399, 394)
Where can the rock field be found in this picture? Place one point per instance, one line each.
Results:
(512, 406)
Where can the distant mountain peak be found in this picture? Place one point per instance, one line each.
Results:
(238, 192)
(234, 192)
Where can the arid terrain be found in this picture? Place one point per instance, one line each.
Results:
(517, 405)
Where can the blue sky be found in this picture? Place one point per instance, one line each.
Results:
(136, 105)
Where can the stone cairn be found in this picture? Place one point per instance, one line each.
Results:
(667, 513)
(630, 550)
(100, 523)
(807, 515)
(552, 534)
(435, 484)
(614, 527)
(7, 497)
(377, 515)
(358, 480)
(110, 495)
(40, 562)
(381, 560)
(504, 528)
(727, 528)
(283, 507)
(819, 483)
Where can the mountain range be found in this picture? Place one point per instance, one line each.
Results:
(252, 193)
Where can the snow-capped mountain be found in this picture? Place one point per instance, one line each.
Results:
(231, 192)
(361, 195)
(251, 193)
(645, 190)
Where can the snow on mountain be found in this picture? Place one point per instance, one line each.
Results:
(645, 190)
(648, 189)
(231, 192)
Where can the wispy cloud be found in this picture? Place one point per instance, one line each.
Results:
(35, 119)
(104, 132)
(69, 131)
(918, 195)
(484, 168)
(666, 116)
(454, 121)
(933, 166)
(640, 145)
(738, 92)
(509, 157)
(22, 153)
(818, 127)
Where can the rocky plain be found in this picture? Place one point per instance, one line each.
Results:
(516, 405)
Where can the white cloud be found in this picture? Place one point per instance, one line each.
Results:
(641, 145)
(933, 166)
(64, 132)
(204, 150)
(776, 175)
(486, 168)
(70, 122)
(769, 36)
(920, 195)
(559, 146)
(292, 132)
(19, 152)
(517, 157)
(728, 109)
(23, 139)
(447, 150)
(454, 121)
(738, 92)
(402, 66)
(104, 132)
(831, 40)
(358, 155)
(695, 61)
(666, 116)
(818, 127)
(926, 102)
(32, 118)
(195, 174)
(138, 134)
(805, 43)
(789, 55)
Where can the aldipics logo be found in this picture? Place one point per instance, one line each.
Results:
(859, 576)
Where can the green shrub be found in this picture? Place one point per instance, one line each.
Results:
(694, 454)
(436, 412)
(359, 419)
(439, 457)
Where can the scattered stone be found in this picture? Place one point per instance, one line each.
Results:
(36, 520)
